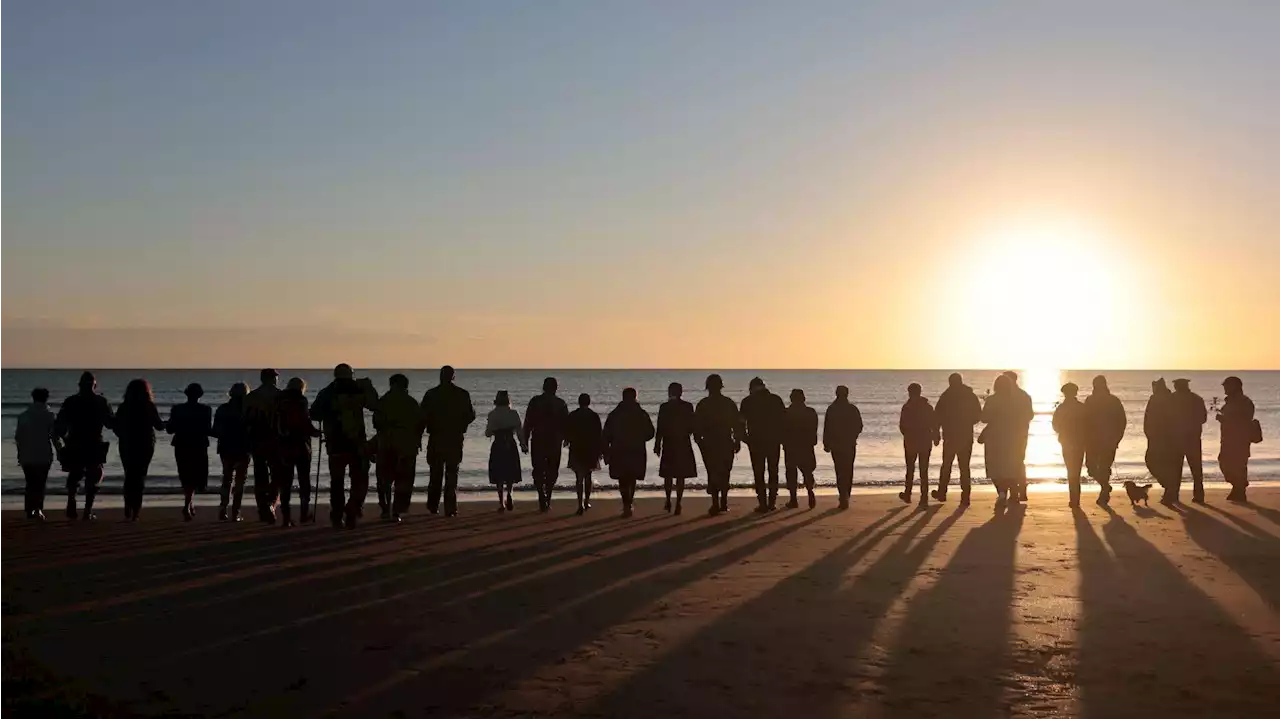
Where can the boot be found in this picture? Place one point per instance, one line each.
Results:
(677, 509)
(71, 508)
(813, 500)
(794, 503)
(905, 497)
(964, 499)
(939, 495)
(844, 503)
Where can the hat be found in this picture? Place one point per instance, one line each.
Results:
(267, 373)
(1182, 383)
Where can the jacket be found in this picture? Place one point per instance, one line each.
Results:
(34, 435)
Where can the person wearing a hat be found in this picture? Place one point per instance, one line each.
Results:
(1238, 432)
(798, 442)
(263, 421)
(1071, 424)
(718, 432)
(840, 429)
(190, 424)
(80, 422)
(340, 408)
(764, 420)
(1162, 458)
(1107, 422)
(1190, 415)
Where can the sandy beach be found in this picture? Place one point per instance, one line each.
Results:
(884, 610)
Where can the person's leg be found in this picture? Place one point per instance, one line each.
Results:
(406, 474)
(944, 474)
(130, 489)
(501, 507)
(757, 471)
(224, 496)
(284, 489)
(922, 456)
(451, 487)
(42, 482)
(337, 487)
(29, 472)
(679, 493)
(1072, 457)
(240, 476)
(964, 457)
(92, 480)
(579, 480)
(793, 478)
(772, 457)
(589, 486)
(1195, 460)
(302, 467)
(666, 489)
(384, 477)
(75, 473)
(359, 490)
(908, 481)
(435, 483)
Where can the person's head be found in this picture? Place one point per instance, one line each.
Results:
(1013, 376)
(797, 396)
(755, 385)
(674, 390)
(268, 376)
(502, 399)
(138, 391)
(629, 394)
(1100, 384)
(549, 385)
(1159, 387)
(343, 371)
(40, 395)
(399, 382)
(714, 383)
(842, 393)
(1232, 386)
(913, 389)
(88, 382)
(1002, 384)
(955, 380)
(446, 374)
(238, 390)
(1070, 390)
(194, 391)
(584, 400)
(1182, 385)
(297, 384)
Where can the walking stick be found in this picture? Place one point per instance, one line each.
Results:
(315, 490)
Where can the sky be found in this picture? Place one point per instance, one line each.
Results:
(641, 184)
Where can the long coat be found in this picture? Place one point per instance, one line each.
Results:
(626, 431)
(675, 438)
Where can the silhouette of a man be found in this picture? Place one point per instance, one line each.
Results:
(799, 441)
(673, 443)
(1190, 416)
(79, 425)
(1071, 423)
(446, 413)
(626, 430)
(1107, 421)
(339, 408)
(261, 413)
(919, 430)
(397, 421)
(1239, 431)
(1026, 412)
(1163, 458)
(840, 430)
(957, 411)
(718, 432)
(764, 419)
(544, 428)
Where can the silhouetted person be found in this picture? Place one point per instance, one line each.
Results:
(34, 437)
(764, 420)
(1162, 457)
(296, 433)
(398, 422)
(1106, 429)
(583, 437)
(1239, 431)
(79, 425)
(840, 430)
(919, 430)
(544, 425)
(957, 411)
(799, 439)
(1190, 414)
(190, 424)
(1026, 412)
(264, 442)
(230, 429)
(717, 430)
(136, 422)
(446, 413)
(1071, 423)
(1001, 439)
(674, 444)
(626, 431)
(339, 408)
(503, 425)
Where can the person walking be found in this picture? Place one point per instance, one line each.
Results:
(1002, 455)
(840, 430)
(340, 408)
(1190, 415)
(674, 445)
(764, 420)
(919, 430)
(398, 422)
(296, 433)
(626, 431)
(583, 437)
(190, 424)
(799, 440)
(1071, 424)
(447, 412)
(544, 426)
(34, 439)
(136, 422)
(1024, 414)
(79, 425)
(1162, 457)
(957, 411)
(263, 424)
(718, 432)
(1107, 423)
(233, 449)
(1239, 431)
(503, 426)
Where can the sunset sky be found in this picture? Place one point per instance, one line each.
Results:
(641, 184)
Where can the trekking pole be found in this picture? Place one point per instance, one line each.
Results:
(315, 490)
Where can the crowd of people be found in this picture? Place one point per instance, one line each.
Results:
(272, 431)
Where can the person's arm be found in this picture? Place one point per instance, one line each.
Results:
(826, 431)
(170, 426)
(649, 431)
(471, 410)
(902, 421)
(657, 442)
(934, 428)
(156, 423)
(857, 422)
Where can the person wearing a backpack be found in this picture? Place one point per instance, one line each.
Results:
(1239, 431)
(339, 408)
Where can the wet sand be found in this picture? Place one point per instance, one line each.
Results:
(884, 610)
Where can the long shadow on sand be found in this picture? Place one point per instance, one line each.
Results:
(1150, 636)
(1249, 550)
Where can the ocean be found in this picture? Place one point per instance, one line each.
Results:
(879, 394)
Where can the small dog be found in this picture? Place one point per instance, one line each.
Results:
(1137, 492)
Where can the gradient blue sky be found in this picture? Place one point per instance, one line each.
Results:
(773, 184)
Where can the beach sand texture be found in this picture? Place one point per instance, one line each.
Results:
(884, 610)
